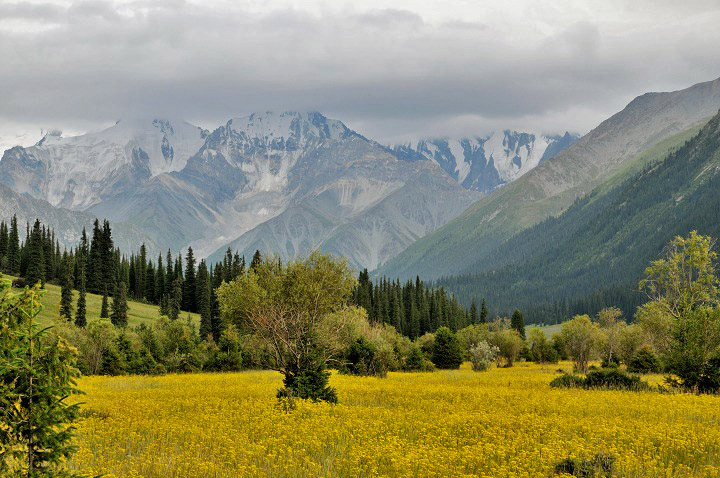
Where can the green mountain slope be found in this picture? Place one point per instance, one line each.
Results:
(609, 151)
(606, 239)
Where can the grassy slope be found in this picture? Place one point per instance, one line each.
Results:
(138, 313)
(550, 330)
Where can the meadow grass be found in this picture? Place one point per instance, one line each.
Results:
(500, 423)
(138, 313)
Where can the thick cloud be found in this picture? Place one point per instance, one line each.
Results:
(394, 74)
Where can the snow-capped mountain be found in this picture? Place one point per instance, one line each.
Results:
(484, 163)
(285, 183)
(80, 171)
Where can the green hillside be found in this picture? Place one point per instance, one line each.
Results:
(138, 313)
(602, 243)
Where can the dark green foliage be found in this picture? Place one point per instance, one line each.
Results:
(66, 306)
(175, 300)
(593, 255)
(416, 361)
(35, 253)
(644, 361)
(256, 260)
(412, 308)
(119, 316)
(602, 465)
(189, 300)
(603, 379)
(517, 322)
(13, 247)
(446, 352)
(361, 359)
(104, 309)
(228, 356)
(37, 374)
(310, 383)
(203, 300)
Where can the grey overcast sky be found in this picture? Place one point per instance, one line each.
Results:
(394, 70)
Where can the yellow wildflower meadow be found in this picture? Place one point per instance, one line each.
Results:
(501, 423)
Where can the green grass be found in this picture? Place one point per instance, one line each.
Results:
(138, 313)
(549, 330)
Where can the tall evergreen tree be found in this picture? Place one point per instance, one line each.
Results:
(189, 285)
(36, 256)
(104, 310)
(517, 322)
(13, 251)
(66, 305)
(4, 238)
(256, 260)
(483, 312)
(175, 300)
(80, 314)
(474, 317)
(119, 316)
(203, 299)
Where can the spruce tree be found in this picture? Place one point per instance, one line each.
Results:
(36, 256)
(66, 305)
(104, 312)
(203, 300)
(446, 353)
(13, 251)
(119, 316)
(256, 260)
(4, 238)
(517, 322)
(189, 285)
(94, 262)
(175, 300)
(474, 318)
(483, 312)
(81, 313)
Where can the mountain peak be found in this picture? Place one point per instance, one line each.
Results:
(288, 125)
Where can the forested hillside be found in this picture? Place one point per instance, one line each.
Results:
(594, 254)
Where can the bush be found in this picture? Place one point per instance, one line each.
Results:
(308, 383)
(610, 363)
(600, 465)
(644, 361)
(482, 356)
(417, 362)
(710, 377)
(361, 358)
(604, 379)
(567, 380)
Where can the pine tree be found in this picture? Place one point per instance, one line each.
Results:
(175, 300)
(37, 374)
(483, 312)
(517, 322)
(66, 291)
(119, 316)
(4, 239)
(80, 314)
(94, 263)
(446, 349)
(216, 326)
(36, 256)
(104, 313)
(13, 251)
(189, 285)
(474, 318)
(169, 275)
(256, 260)
(203, 300)
(108, 259)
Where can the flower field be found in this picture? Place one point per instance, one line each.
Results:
(505, 422)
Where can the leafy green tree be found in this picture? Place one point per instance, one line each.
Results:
(284, 305)
(446, 353)
(581, 338)
(685, 297)
(119, 316)
(37, 375)
(517, 322)
(508, 342)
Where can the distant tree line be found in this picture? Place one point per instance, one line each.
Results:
(414, 308)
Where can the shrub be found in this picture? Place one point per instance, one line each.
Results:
(308, 383)
(644, 361)
(601, 465)
(567, 380)
(604, 379)
(482, 356)
(416, 361)
(610, 362)
(361, 358)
